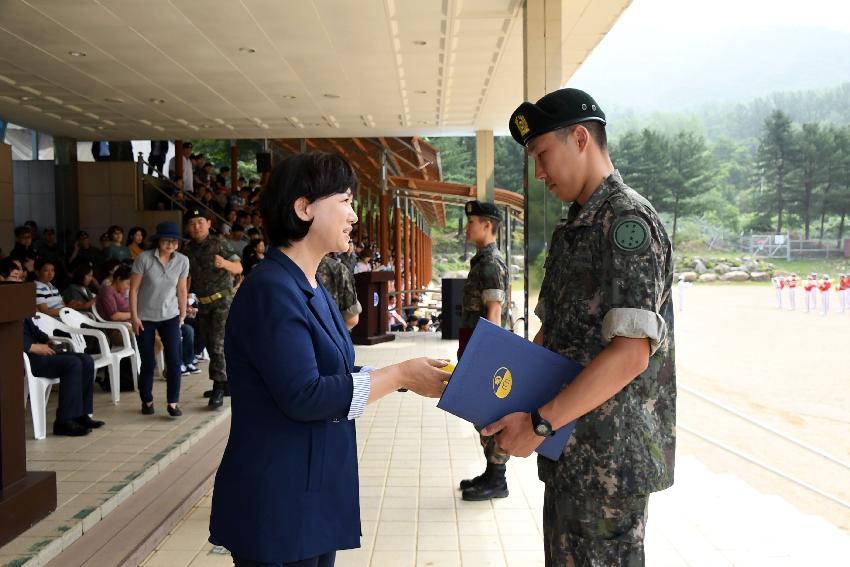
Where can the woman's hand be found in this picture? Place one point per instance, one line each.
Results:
(137, 326)
(422, 375)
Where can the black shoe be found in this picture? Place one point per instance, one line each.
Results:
(208, 393)
(470, 482)
(492, 485)
(87, 421)
(69, 427)
(216, 399)
(174, 411)
(147, 409)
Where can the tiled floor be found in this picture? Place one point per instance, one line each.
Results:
(412, 455)
(96, 472)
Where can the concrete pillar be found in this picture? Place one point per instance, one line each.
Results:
(66, 191)
(485, 165)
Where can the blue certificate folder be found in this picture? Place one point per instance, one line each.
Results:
(501, 373)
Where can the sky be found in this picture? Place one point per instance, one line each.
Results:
(672, 55)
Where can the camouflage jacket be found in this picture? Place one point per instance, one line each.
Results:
(487, 281)
(339, 281)
(206, 278)
(609, 273)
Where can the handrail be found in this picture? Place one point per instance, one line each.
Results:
(186, 194)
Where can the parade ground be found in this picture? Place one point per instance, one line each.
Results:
(782, 371)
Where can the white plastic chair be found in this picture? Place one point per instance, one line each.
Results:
(50, 325)
(38, 389)
(77, 320)
(137, 358)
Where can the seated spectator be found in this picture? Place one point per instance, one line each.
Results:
(136, 241)
(256, 220)
(78, 295)
(364, 262)
(225, 228)
(48, 300)
(253, 253)
(24, 251)
(83, 250)
(111, 302)
(237, 238)
(48, 247)
(116, 249)
(11, 270)
(76, 377)
(223, 175)
(105, 242)
(243, 217)
(104, 274)
(254, 234)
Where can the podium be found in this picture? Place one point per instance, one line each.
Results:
(25, 497)
(372, 293)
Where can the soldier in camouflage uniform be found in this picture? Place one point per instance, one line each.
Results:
(485, 294)
(212, 265)
(339, 281)
(606, 303)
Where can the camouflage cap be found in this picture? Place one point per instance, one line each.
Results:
(482, 209)
(557, 109)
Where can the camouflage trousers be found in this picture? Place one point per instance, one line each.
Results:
(492, 452)
(211, 319)
(587, 531)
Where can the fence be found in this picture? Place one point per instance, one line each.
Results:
(783, 246)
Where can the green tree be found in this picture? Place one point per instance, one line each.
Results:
(812, 146)
(690, 175)
(776, 164)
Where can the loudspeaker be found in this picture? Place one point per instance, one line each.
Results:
(264, 162)
(452, 307)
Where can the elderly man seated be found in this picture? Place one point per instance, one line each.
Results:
(76, 376)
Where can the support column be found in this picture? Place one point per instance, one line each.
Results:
(543, 73)
(66, 191)
(398, 252)
(414, 252)
(178, 159)
(234, 165)
(408, 264)
(485, 169)
(386, 204)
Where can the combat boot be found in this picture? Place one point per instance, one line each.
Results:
(492, 485)
(470, 482)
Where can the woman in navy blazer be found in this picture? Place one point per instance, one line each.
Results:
(286, 492)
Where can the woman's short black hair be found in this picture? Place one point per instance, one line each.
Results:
(132, 232)
(313, 175)
(122, 272)
(82, 269)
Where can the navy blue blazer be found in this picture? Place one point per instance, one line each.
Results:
(287, 487)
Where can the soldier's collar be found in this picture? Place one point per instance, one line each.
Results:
(584, 214)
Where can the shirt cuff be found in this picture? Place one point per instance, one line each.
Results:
(493, 295)
(362, 389)
(635, 324)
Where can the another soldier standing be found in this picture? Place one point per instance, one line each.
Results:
(339, 281)
(605, 302)
(485, 294)
(212, 265)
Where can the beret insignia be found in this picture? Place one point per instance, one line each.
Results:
(521, 125)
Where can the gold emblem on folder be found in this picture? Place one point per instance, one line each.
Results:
(502, 382)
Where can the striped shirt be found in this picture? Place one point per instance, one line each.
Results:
(48, 295)
(362, 389)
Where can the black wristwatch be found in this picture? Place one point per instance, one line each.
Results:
(541, 426)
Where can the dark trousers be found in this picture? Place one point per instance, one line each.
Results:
(188, 333)
(211, 320)
(325, 560)
(156, 161)
(169, 333)
(76, 376)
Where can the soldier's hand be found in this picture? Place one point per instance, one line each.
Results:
(218, 261)
(515, 434)
(423, 376)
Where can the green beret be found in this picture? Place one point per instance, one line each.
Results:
(482, 209)
(558, 109)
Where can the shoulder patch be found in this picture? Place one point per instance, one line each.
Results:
(630, 235)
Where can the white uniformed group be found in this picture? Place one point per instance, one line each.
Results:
(816, 290)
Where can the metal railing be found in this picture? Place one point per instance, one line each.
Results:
(188, 197)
